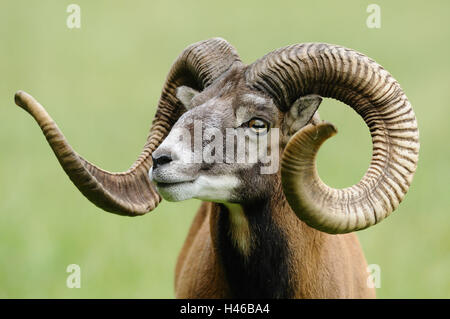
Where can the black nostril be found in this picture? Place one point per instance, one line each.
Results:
(161, 160)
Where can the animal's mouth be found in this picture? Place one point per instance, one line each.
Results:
(162, 185)
(171, 184)
(177, 190)
(165, 180)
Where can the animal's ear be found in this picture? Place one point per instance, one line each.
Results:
(185, 94)
(302, 111)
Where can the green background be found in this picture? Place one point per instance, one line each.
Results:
(101, 84)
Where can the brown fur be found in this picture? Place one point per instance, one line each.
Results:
(321, 265)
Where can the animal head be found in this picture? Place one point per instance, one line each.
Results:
(226, 145)
(222, 127)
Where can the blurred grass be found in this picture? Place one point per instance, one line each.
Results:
(101, 84)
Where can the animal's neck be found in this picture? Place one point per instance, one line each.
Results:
(254, 249)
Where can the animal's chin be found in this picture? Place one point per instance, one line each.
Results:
(175, 192)
(204, 187)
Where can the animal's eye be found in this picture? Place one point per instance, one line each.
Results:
(259, 126)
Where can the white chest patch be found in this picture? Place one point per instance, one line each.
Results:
(239, 229)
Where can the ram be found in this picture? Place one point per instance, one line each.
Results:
(281, 233)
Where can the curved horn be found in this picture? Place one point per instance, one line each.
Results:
(131, 193)
(356, 80)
